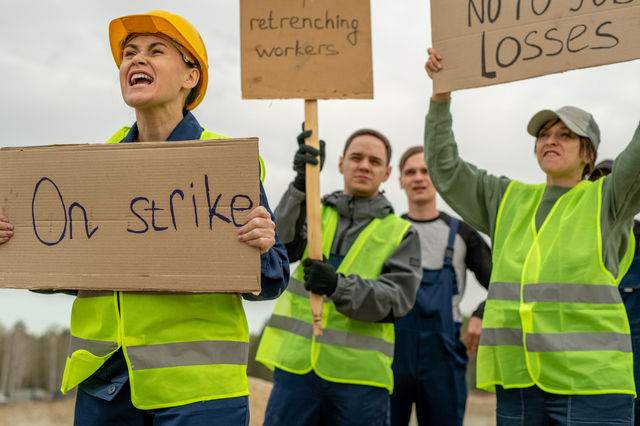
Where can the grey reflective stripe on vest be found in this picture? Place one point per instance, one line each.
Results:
(558, 342)
(355, 341)
(570, 293)
(184, 354)
(504, 291)
(555, 292)
(85, 294)
(292, 325)
(98, 348)
(332, 337)
(297, 287)
(501, 337)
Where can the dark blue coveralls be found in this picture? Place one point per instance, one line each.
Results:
(630, 292)
(430, 361)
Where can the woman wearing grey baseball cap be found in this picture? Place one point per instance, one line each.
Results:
(555, 343)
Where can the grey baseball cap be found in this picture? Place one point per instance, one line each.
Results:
(578, 121)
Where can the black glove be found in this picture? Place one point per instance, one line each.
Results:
(301, 159)
(319, 277)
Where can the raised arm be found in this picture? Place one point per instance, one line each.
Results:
(474, 194)
(622, 187)
(620, 203)
(433, 65)
(291, 212)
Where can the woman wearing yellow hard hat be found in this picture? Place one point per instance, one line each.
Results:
(157, 358)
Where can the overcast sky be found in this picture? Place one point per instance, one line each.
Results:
(59, 85)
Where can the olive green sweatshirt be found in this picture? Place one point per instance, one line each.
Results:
(476, 195)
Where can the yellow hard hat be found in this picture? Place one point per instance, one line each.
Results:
(173, 26)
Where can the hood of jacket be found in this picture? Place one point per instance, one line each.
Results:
(358, 208)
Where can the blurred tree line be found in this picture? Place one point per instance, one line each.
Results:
(32, 362)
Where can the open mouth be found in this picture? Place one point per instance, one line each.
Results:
(553, 153)
(140, 79)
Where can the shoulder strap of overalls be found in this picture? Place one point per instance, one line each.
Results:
(453, 230)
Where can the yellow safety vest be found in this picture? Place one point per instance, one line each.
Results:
(349, 351)
(180, 348)
(554, 317)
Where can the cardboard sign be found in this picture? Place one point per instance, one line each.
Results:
(311, 49)
(486, 42)
(160, 216)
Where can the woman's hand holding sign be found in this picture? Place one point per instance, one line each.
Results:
(259, 230)
(433, 65)
(6, 229)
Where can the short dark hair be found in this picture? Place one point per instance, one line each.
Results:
(410, 153)
(373, 133)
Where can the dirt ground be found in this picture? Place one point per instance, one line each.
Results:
(480, 409)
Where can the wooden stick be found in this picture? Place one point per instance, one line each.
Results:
(314, 220)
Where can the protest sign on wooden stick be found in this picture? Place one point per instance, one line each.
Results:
(309, 49)
(306, 49)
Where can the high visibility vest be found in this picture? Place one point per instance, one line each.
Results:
(349, 351)
(554, 317)
(180, 348)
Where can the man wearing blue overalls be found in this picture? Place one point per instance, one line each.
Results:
(430, 360)
(629, 288)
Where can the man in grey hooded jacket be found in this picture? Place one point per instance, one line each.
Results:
(313, 395)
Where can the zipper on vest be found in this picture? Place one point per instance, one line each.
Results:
(344, 232)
